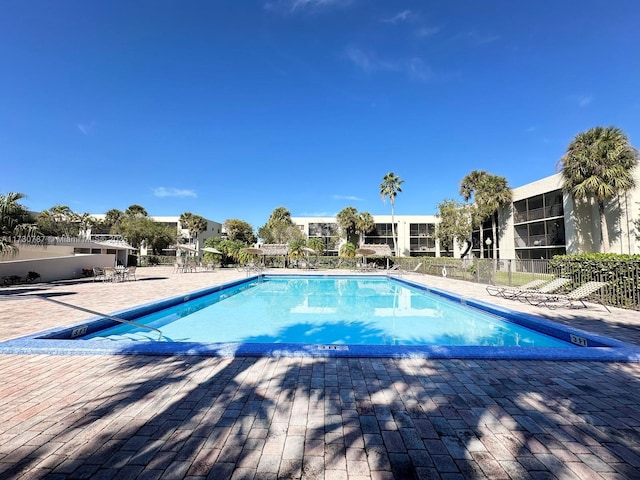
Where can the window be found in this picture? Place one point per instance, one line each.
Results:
(422, 229)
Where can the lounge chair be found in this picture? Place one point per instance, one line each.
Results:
(572, 299)
(509, 292)
(548, 288)
(398, 268)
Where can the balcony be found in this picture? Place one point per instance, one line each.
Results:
(539, 241)
(550, 211)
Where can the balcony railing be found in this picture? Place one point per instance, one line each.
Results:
(539, 241)
(538, 213)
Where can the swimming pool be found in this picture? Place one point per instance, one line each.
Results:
(386, 317)
(328, 310)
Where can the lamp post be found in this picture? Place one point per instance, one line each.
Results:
(488, 243)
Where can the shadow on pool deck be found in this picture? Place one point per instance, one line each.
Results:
(173, 417)
(329, 418)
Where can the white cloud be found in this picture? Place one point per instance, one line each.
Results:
(580, 100)
(417, 70)
(414, 67)
(173, 192)
(367, 61)
(477, 39)
(86, 128)
(427, 31)
(403, 16)
(347, 197)
(295, 6)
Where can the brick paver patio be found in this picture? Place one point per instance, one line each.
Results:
(136, 417)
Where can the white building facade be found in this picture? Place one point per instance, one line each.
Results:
(213, 229)
(542, 221)
(415, 234)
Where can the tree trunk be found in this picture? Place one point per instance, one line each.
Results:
(468, 249)
(604, 232)
(481, 242)
(393, 231)
(494, 233)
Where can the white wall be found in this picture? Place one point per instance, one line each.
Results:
(59, 268)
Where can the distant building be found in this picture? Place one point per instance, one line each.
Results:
(213, 229)
(542, 221)
(415, 233)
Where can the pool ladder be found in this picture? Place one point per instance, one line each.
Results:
(86, 310)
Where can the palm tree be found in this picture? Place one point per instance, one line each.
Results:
(347, 250)
(346, 220)
(390, 187)
(279, 228)
(85, 223)
(113, 217)
(296, 248)
(598, 165)
(136, 211)
(194, 224)
(316, 244)
(494, 194)
(59, 220)
(490, 193)
(364, 224)
(14, 220)
(470, 186)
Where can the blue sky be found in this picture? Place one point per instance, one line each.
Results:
(229, 109)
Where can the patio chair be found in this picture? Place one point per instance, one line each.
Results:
(129, 273)
(98, 274)
(508, 292)
(573, 298)
(110, 274)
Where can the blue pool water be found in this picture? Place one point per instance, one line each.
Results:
(329, 311)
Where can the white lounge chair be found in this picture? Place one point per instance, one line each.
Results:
(510, 292)
(572, 299)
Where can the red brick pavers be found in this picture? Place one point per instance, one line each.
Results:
(121, 417)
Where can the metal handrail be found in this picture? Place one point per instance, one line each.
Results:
(86, 310)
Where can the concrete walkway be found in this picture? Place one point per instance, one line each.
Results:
(132, 417)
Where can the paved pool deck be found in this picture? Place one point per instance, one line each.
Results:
(148, 417)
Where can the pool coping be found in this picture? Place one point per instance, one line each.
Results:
(600, 347)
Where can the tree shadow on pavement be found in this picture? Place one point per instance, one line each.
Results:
(205, 417)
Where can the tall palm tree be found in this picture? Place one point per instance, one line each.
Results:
(194, 224)
(364, 224)
(494, 194)
(346, 220)
(490, 193)
(14, 220)
(390, 187)
(136, 211)
(113, 217)
(470, 186)
(598, 165)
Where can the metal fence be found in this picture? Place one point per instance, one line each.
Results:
(622, 289)
(623, 279)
